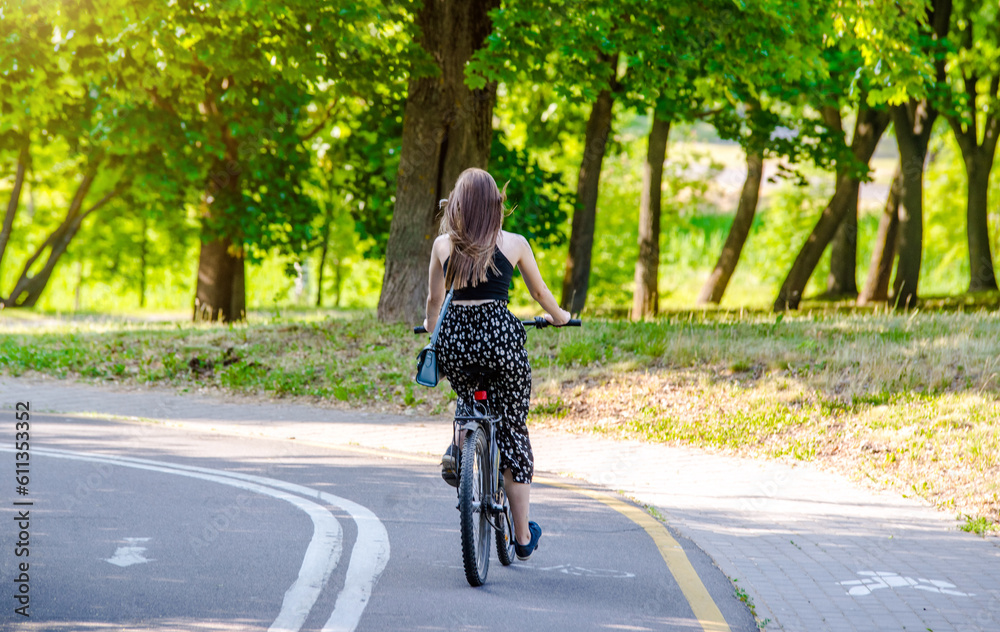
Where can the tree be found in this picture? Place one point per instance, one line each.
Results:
(62, 113)
(717, 282)
(913, 121)
(576, 279)
(646, 295)
(582, 40)
(447, 128)
(974, 75)
(899, 31)
(237, 81)
(876, 287)
(868, 128)
(663, 79)
(772, 94)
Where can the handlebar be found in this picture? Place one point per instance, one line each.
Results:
(538, 323)
(541, 323)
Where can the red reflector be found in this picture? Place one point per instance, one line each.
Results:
(480, 396)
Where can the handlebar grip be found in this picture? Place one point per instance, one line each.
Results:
(540, 323)
(419, 329)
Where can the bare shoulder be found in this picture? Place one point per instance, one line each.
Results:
(442, 246)
(512, 246)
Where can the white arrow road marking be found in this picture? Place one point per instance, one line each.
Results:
(130, 554)
(368, 557)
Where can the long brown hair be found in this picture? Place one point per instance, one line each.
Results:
(473, 214)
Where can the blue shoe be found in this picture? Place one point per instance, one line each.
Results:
(524, 551)
(449, 469)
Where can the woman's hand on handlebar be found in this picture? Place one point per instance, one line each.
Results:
(559, 318)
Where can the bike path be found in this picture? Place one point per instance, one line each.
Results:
(145, 527)
(811, 549)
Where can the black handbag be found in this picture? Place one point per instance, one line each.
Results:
(427, 366)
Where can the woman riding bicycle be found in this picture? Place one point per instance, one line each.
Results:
(476, 257)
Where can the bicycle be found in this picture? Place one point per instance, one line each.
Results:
(482, 500)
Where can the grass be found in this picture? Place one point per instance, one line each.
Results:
(748, 602)
(979, 525)
(907, 401)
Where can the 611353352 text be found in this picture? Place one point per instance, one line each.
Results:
(22, 507)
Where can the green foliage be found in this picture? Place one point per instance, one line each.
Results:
(539, 200)
(359, 158)
(280, 125)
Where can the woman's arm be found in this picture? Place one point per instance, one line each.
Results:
(435, 283)
(536, 285)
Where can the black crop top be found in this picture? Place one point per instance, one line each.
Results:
(495, 287)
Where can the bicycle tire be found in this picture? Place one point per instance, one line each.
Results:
(472, 506)
(505, 534)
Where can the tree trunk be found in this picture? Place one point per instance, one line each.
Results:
(645, 301)
(913, 122)
(576, 279)
(78, 290)
(842, 280)
(143, 247)
(982, 276)
(338, 281)
(447, 128)
(868, 130)
(844, 247)
(15, 198)
(876, 289)
(327, 220)
(717, 282)
(978, 158)
(28, 288)
(220, 293)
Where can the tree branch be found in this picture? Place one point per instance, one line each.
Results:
(334, 107)
(15, 198)
(704, 115)
(159, 102)
(972, 94)
(74, 209)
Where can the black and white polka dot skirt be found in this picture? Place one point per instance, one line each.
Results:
(488, 336)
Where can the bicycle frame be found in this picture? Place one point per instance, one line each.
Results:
(482, 417)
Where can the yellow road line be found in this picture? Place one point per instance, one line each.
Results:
(702, 605)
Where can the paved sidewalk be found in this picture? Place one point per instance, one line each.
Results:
(812, 549)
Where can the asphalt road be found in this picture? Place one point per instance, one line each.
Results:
(137, 526)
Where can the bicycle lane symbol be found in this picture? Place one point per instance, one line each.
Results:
(877, 580)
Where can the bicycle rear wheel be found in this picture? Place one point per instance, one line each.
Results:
(473, 507)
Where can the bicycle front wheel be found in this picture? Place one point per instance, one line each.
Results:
(473, 503)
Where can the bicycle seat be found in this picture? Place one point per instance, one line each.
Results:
(480, 374)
